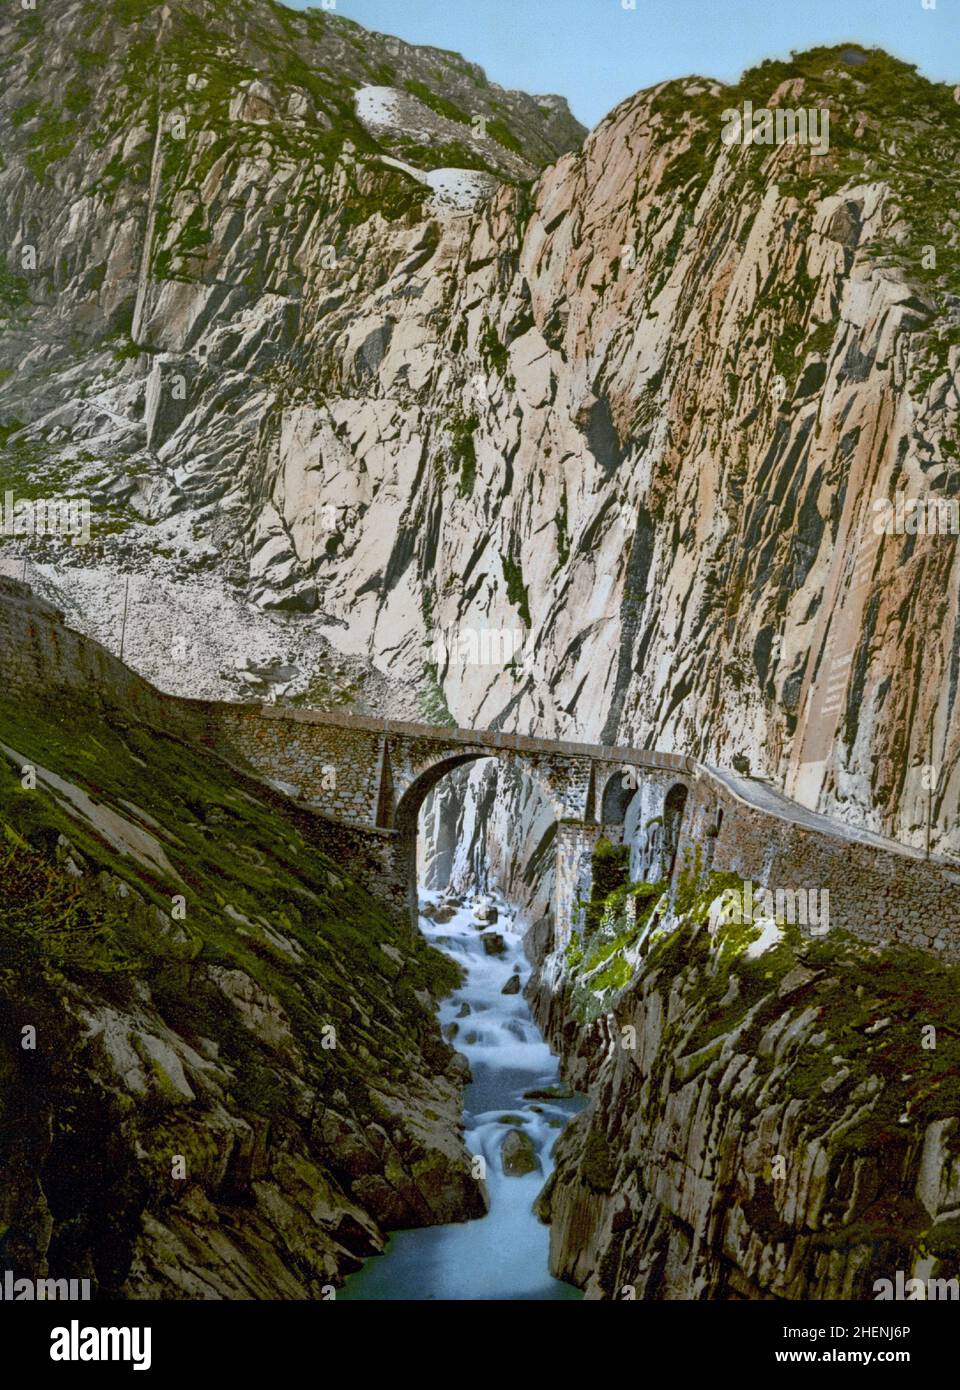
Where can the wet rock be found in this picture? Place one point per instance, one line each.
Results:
(561, 1091)
(394, 963)
(512, 986)
(459, 1068)
(493, 943)
(639, 1168)
(517, 1154)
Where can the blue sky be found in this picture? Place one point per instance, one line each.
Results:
(595, 53)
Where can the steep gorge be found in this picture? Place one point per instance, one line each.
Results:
(362, 359)
(776, 1123)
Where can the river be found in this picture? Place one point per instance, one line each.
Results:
(503, 1255)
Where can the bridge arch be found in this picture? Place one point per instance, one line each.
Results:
(674, 806)
(619, 789)
(654, 808)
(405, 820)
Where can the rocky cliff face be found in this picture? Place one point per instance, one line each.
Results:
(768, 1119)
(221, 1073)
(191, 192)
(634, 415)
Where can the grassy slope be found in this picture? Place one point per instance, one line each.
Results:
(228, 847)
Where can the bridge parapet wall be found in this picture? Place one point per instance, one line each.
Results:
(336, 762)
(878, 895)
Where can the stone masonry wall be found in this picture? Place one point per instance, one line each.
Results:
(39, 654)
(334, 768)
(879, 896)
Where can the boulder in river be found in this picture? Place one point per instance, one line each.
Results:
(512, 986)
(459, 1068)
(493, 943)
(559, 1092)
(518, 1155)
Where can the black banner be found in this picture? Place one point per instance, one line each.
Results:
(190, 1338)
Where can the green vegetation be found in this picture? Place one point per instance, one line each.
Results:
(463, 455)
(689, 880)
(14, 293)
(49, 918)
(501, 132)
(516, 589)
(875, 1061)
(598, 1165)
(437, 103)
(563, 536)
(887, 124)
(611, 868)
(448, 154)
(617, 916)
(853, 987)
(433, 702)
(49, 132)
(494, 353)
(31, 469)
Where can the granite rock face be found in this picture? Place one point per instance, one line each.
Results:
(388, 389)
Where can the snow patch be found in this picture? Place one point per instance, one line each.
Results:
(378, 106)
(459, 188)
(417, 174)
(462, 189)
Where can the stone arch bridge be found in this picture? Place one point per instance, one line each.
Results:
(370, 778)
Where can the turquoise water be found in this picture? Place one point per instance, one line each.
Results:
(503, 1255)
